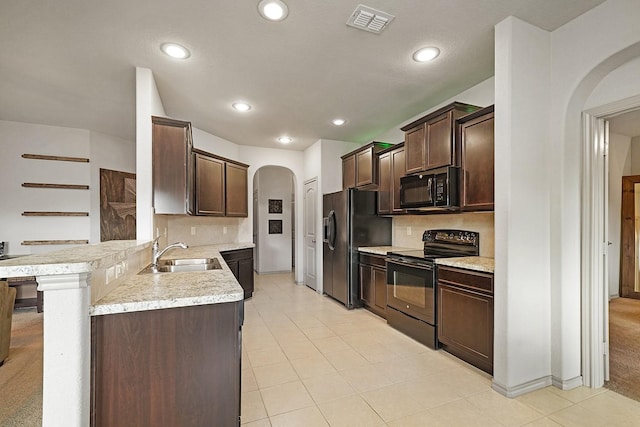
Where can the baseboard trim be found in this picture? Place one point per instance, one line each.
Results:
(523, 388)
(273, 272)
(568, 384)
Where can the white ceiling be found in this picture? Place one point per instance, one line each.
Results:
(72, 62)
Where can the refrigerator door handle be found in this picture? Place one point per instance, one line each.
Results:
(325, 229)
(332, 230)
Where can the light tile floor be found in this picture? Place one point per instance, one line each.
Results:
(307, 361)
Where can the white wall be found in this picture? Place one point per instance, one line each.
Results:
(635, 156)
(618, 84)
(331, 166)
(522, 311)
(275, 253)
(619, 166)
(322, 161)
(148, 103)
(481, 95)
(581, 58)
(214, 144)
(103, 151)
(257, 157)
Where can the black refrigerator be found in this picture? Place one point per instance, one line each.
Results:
(350, 221)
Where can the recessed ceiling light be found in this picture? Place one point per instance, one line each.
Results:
(175, 51)
(241, 106)
(338, 122)
(426, 54)
(284, 140)
(273, 10)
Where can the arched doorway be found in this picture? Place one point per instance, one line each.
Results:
(274, 210)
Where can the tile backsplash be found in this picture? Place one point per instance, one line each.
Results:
(197, 231)
(408, 229)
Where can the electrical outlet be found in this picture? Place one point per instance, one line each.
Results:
(121, 267)
(165, 232)
(408, 231)
(224, 230)
(111, 274)
(193, 231)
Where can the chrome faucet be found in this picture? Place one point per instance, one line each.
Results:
(157, 253)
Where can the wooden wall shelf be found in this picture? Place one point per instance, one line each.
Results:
(63, 186)
(57, 158)
(55, 213)
(54, 242)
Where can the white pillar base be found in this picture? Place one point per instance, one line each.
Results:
(66, 350)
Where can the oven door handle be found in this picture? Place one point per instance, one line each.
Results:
(409, 264)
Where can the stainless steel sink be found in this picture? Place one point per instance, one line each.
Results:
(188, 261)
(186, 264)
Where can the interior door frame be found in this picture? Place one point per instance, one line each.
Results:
(594, 246)
(627, 237)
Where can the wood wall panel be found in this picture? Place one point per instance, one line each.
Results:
(117, 205)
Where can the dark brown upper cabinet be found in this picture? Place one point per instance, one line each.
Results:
(476, 133)
(391, 166)
(360, 167)
(220, 186)
(349, 171)
(236, 189)
(191, 181)
(430, 141)
(210, 184)
(172, 166)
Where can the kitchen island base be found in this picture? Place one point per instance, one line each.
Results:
(170, 367)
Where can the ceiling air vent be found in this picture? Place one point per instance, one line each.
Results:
(369, 19)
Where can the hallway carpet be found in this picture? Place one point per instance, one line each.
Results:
(21, 374)
(624, 347)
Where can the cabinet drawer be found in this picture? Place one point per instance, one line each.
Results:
(375, 260)
(475, 280)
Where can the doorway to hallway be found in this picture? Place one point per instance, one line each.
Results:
(274, 219)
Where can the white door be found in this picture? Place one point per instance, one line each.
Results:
(310, 227)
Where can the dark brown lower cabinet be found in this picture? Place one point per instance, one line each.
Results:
(465, 315)
(373, 283)
(170, 367)
(240, 263)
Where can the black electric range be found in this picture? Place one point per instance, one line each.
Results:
(411, 281)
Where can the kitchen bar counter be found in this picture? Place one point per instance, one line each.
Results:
(138, 291)
(152, 291)
(476, 263)
(383, 250)
(101, 278)
(78, 259)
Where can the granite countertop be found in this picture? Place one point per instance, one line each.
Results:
(383, 250)
(77, 259)
(476, 263)
(138, 292)
(153, 291)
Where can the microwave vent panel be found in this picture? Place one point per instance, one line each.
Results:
(369, 19)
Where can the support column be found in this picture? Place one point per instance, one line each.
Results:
(66, 350)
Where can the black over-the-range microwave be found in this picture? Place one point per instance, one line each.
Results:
(432, 189)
